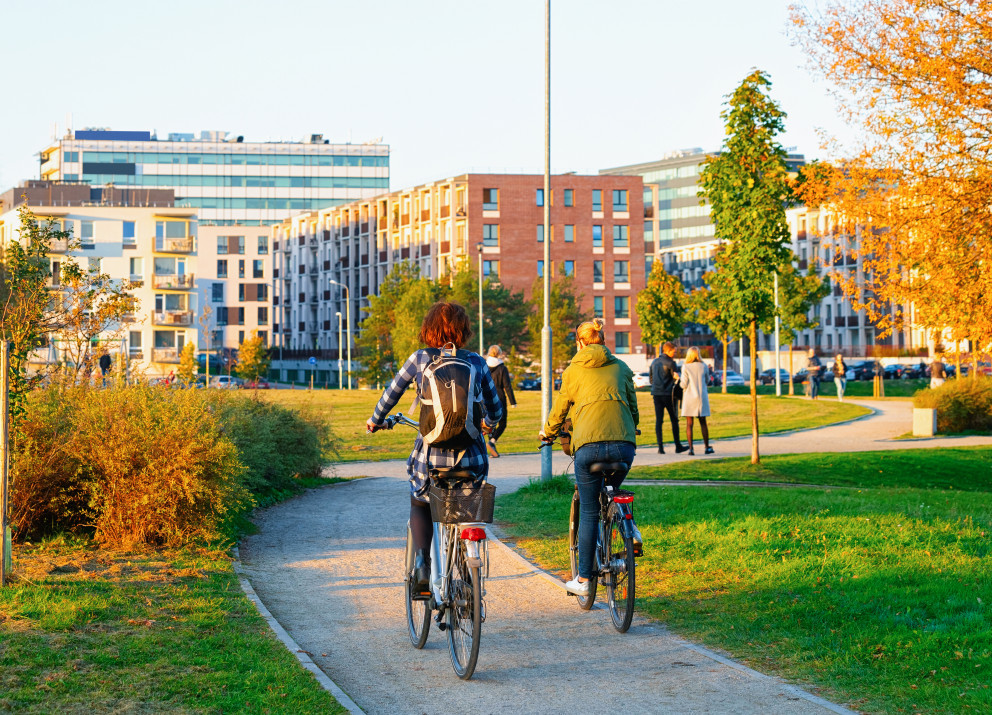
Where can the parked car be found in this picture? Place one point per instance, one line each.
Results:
(530, 382)
(712, 378)
(800, 376)
(226, 382)
(985, 368)
(861, 370)
(767, 377)
(259, 383)
(897, 371)
(732, 378)
(642, 379)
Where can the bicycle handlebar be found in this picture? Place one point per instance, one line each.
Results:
(398, 418)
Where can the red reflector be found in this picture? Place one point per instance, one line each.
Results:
(623, 499)
(474, 534)
(628, 516)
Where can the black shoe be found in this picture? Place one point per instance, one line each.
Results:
(422, 571)
(680, 448)
(692, 452)
(709, 450)
(661, 450)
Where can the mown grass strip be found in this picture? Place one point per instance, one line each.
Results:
(86, 630)
(879, 597)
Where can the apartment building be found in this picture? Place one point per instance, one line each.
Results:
(596, 235)
(129, 235)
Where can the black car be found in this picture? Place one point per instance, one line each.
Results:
(897, 371)
(529, 383)
(862, 370)
(767, 377)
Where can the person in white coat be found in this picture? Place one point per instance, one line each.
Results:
(695, 398)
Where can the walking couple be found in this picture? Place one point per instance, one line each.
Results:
(669, 387)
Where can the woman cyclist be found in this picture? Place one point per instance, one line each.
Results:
(599, 389)
(445, 327)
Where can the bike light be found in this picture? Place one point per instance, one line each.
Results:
(628, 516)
(474, 534)
(624, 499)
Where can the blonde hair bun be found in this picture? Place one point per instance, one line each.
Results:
(599, 323)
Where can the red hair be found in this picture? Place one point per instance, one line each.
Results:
(445, 323)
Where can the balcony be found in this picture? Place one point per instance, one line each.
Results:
(173, 282)
(174, 245)
(59, 246)
(175, 318)
(165, 355)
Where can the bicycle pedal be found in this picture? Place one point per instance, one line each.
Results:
(442, 626)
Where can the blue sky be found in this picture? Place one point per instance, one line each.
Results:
(451, 85)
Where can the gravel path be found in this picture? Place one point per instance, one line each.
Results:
(328, 565)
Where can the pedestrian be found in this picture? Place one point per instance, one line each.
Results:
(664, 379)
(504, 390)
(937, 372)
(840, 376)
(105, 363)
(813, 367)
(695, 398)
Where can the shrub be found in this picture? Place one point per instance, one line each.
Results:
(962, 405)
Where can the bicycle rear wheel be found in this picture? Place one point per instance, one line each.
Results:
(418, 611)
(585, 602)
(620, 588)
(464, 613)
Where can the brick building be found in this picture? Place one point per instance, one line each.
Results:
(596, 235)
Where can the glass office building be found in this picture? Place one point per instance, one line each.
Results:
(225, 179)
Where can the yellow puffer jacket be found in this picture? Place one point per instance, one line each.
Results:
(598, 390)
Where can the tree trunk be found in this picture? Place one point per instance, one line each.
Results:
(792, 389)
(726, 345)
(974, 358)
(755, 458)
(957, 358)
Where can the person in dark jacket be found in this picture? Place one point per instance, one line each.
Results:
(504, 389)
(664, 376)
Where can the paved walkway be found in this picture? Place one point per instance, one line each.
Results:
(328, 565)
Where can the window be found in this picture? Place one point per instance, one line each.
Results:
(540, 197)
(222, 268)
(490, 234)
(569, 201)
(241, 292)
(263, 245)
(623, 343)
(540, 269)
(621, 272)
(620, 237)
(93, 265)
(221, 245)
(241, 318)
(221, 318)
(170, 229)
(217, 293)
(263, 335)
(597, 200)
(263, 315)
(128, 232)
(621, 306)
(568, 268)
(490, 199)
(137, 269)
(597, 236)
(241, 268)
(86, 231)
(257, 270)
(231, 244)
(569, 233)
(597, 306)
(490, 269)
(261, 292)
(134, 341)
(241, 335)
(540, 233)
(56, 273)
(597, 271)
(620, 200)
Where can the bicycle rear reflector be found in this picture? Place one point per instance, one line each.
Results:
(474, 534)
(624, 499)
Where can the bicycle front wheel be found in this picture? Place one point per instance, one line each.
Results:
(464, 611)
(620, 588)
(418, 610)
(585, 602)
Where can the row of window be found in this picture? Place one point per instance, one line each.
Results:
(236, 245)
(621, 270)
(138, 157)
(236, 316)
(490, 199)
(621, 235)
(269, 204)
(235, 182)
(257, 268)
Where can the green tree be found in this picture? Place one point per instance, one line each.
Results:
(661, 307)
(411, 308)
(253, 358)
(707, 306)
(748, 187)
(187, 364)
(375, 342)
(504, 312)
(566, 314)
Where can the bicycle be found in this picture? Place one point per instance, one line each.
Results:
(617, 545)
(459, 563)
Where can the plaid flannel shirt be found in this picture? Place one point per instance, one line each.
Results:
(423, 458)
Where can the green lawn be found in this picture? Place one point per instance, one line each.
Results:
(87, 631)
(348, 411)
(876, 594)
(898, 389)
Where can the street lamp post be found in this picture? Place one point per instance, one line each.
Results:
(778, 359)
(347, 310)
(340, 340)
(546, 331)
(481, 343)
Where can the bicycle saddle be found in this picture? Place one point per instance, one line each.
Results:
(612, 469)
(453, 477)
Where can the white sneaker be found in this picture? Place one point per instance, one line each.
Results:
(577, 587)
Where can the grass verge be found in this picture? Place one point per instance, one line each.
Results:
(347, 412)
(878, 596)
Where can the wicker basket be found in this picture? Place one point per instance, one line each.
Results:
(462, 504)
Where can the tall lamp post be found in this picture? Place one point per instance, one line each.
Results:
(347, 309)
(340, 340)
(481, 343)
(546, 331)
(778, 347)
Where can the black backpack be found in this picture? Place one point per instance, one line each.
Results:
(450, 415)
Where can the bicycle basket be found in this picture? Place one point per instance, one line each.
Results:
(462, 504)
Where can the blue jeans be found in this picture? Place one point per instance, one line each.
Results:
(814, 388)
(589, 488)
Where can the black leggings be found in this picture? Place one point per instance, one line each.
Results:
(421, 525)
(501, 425)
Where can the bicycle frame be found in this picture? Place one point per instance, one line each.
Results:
(443, 546)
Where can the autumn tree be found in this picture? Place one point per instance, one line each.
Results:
(253, 358)
(747, 186)
(915, 78)
(661, 307)
(419, 295)
(566, 314)
(187, 364)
